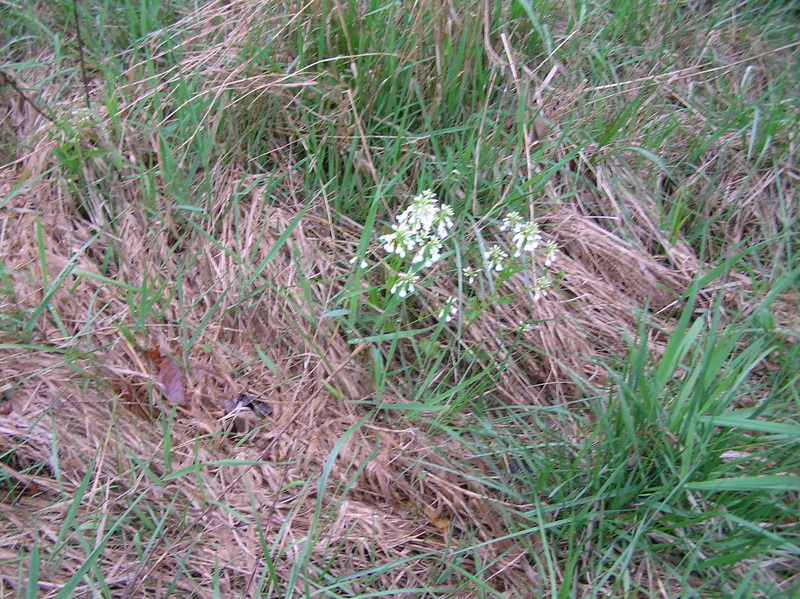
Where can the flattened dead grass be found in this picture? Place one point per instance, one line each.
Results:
(89, 439)
(389, 495)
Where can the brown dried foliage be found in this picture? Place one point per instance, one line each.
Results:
(394, 490)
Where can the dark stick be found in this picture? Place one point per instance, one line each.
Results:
(5, 78)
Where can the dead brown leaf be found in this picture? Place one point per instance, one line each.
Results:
(170, 379)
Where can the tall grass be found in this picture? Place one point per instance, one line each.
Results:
(633, 433)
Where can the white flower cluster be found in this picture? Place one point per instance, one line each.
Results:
(527, 238)
(496, 258)
(405, 284)
(421, 228)
(420, 233)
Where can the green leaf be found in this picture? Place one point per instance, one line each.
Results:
(741, 420)
(749, 483)
(388, 336)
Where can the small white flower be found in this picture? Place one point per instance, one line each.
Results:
(527, 238)
(401, 242)
(550, 253)
(512, 222)
(389, 242)
(448, 312)
(429, 254)
(421, 213)
(443, 221)
(495, 257)
(405, 284)
(470, 274)
(364, 263)
(543, 284)
(425, 198)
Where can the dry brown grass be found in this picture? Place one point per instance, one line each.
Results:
(69, 409)
(83, 398)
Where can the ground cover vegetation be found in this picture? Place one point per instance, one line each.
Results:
(411, 299)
